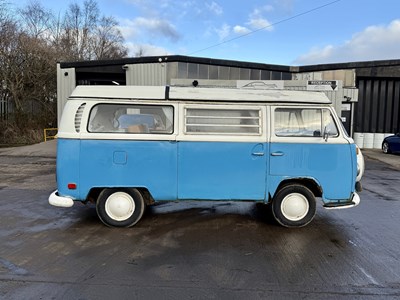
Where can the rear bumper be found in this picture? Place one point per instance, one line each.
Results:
(355, 200)
(56, 200)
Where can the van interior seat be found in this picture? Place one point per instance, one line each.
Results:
(136, 119)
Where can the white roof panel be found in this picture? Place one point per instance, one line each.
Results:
(246, 95)
(199, 94)
(119, 92)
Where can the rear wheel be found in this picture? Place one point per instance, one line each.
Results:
(120, 207)
(294, 206)
(386, 147)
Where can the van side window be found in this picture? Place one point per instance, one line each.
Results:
(225, 121)
(304, 122)
(126, 118)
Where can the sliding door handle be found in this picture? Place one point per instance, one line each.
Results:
(279, 153)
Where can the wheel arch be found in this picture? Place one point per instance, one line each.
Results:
(95, 192)
(309, 183)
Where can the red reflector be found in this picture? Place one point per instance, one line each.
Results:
(72, 186)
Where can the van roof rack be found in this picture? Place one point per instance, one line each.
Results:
(216, 94)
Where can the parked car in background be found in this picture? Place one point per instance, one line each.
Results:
(391, 144)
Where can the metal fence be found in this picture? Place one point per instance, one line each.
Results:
(378, 108)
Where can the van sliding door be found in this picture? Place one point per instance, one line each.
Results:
(222, 153)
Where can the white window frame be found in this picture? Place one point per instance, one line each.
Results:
(339, 139)
(223, 137)
(84, 134)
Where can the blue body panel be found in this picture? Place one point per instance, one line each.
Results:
(117, 163)
(222, 171)
(129, 163)
(332, 166)
(203, 170)
(68, 166)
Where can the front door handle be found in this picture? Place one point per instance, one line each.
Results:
(279, 153)
(258, 150)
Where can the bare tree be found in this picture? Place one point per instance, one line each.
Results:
(32, 41)
(87, 35)
(36, 20)
(28, 74)
(139, 52)
(8, 27)
(107, 40)
(29, 78)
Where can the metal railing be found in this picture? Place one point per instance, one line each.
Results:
(50, 133)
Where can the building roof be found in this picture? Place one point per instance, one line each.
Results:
(174, 58)
(232, 63)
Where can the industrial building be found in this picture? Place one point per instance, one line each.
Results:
(366, 94)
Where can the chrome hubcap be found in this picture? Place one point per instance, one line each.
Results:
(295, 207)
(385, 147)
(120, 206)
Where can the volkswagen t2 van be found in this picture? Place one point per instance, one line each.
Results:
(125, 147)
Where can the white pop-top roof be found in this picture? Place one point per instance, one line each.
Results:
(199, 94)
(119, 92)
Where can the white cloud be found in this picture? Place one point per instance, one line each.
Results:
(256, 22)
(260, 23)
(158, 27)
(240, 29)
(170, 9)
(223, 31)
(150, 5)
(127, 29)
(257, 19)
(374, 43)
(215, 8)
(153, 26)
(136, 50)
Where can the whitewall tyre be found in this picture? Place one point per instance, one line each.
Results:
(120, 207)
(294, 206)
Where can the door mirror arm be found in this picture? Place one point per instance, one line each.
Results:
(326, 133)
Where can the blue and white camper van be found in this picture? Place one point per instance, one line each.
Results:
(125, 147)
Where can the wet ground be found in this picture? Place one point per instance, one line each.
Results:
(194, 250)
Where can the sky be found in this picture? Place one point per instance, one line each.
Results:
(281, 32)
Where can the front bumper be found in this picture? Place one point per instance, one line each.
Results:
(56, 200)
(355, 200)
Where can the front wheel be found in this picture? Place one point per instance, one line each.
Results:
(294, 206)
(120, 207)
